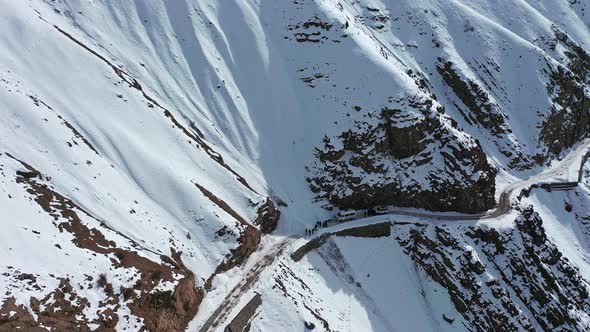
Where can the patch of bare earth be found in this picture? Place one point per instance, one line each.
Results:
(248, 240)
(62, 309)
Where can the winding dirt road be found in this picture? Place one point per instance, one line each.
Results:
(232, 299)
(504, 206)
(504, 202)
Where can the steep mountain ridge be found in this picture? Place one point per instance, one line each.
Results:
(149, 148)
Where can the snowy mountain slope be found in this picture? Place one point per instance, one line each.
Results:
(139, 142)
(274, 59)
(126, 162)
(229, 87)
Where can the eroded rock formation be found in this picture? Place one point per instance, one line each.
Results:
(531, 283)
(267, 216)
(414, 158)
(569, 116)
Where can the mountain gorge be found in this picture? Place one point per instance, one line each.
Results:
(158, 157)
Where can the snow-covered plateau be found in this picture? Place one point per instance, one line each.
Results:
(180, 165)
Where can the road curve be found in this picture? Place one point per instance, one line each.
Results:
(504, 202)
(503, 207)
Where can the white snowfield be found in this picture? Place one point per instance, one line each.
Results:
(148, 126)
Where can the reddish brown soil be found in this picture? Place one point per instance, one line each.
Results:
(161, 311)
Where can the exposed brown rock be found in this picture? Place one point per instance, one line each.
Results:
(248, 243)
(62, 309)
(167, 310)
(474, 97)
(267, 217)
(222, 204)
(529, 279)
(38, 102)
(21, 319)
(148, 304)
(248, 240)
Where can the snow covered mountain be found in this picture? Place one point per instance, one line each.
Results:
(161, 161)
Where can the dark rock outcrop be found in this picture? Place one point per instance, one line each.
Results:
(371, 231)
(314, 243)
(267, 217)
(248, 243)
(404, 142)
(407, 158)
(513, 279)
(482, 110)
(569, 116)
(368, 231)
(241, 322)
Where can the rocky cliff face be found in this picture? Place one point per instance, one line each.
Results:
(502, 280)
(414, 157)
(267, 216)
(482, 111)
(569, 117)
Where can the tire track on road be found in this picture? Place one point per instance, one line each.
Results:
(232, 299)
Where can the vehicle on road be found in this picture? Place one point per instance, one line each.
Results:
(346, 215)
(381, 209)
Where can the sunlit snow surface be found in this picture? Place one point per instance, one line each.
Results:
(234, 72)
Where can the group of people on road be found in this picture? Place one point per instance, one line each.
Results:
(310, 231)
